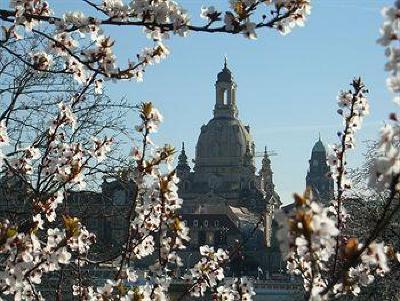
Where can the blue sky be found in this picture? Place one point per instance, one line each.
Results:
(287, 85)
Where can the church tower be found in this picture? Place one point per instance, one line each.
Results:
(267, 184)
(183, 168)
(318, 177)
(225, 149)
(225, 89)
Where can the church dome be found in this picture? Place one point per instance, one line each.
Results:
(225, 75)
(319, 147)
(225, 147)
(223, 142)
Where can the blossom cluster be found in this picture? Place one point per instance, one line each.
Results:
(332, 262)
(208, 271)
(48, 167)
(390, 37)
(353, 107)
(364, 263)
(41, 60)
(156, 228)
(300, 8)
(285, 15)
(386, 170)
(25, 8)
(29, 257)
(86, 51)
(53, 164)
(3, 139)
(62, 161)
(157, 221)
(240, 289)
(311, 237)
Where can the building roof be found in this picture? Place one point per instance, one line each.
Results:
(319, 147)
(225, 75)
(243, 214)
(223, 142)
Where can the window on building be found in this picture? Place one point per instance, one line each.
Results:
(194, 238)
(195, 223)
(206, 223)
(225, 97)
(210, 238)
(216, 224)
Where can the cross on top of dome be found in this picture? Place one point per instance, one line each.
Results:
(225, 75)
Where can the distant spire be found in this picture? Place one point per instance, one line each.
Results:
(183, 167)
(319, 136)
(266, 160)
(182, 158)
(225, 62)
(266, 174)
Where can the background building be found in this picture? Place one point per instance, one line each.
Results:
(224, 201)
(318, 176)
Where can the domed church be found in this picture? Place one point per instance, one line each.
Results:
(224, 163)
(223, 196)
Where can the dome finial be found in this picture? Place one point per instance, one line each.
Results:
(183, 145)
(225, 75)
(319, 136)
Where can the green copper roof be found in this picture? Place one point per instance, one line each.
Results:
(319, 147)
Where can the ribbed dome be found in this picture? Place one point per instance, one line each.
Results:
(223, 143)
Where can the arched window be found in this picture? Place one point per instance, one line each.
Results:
(225, 97)
(206, 223)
